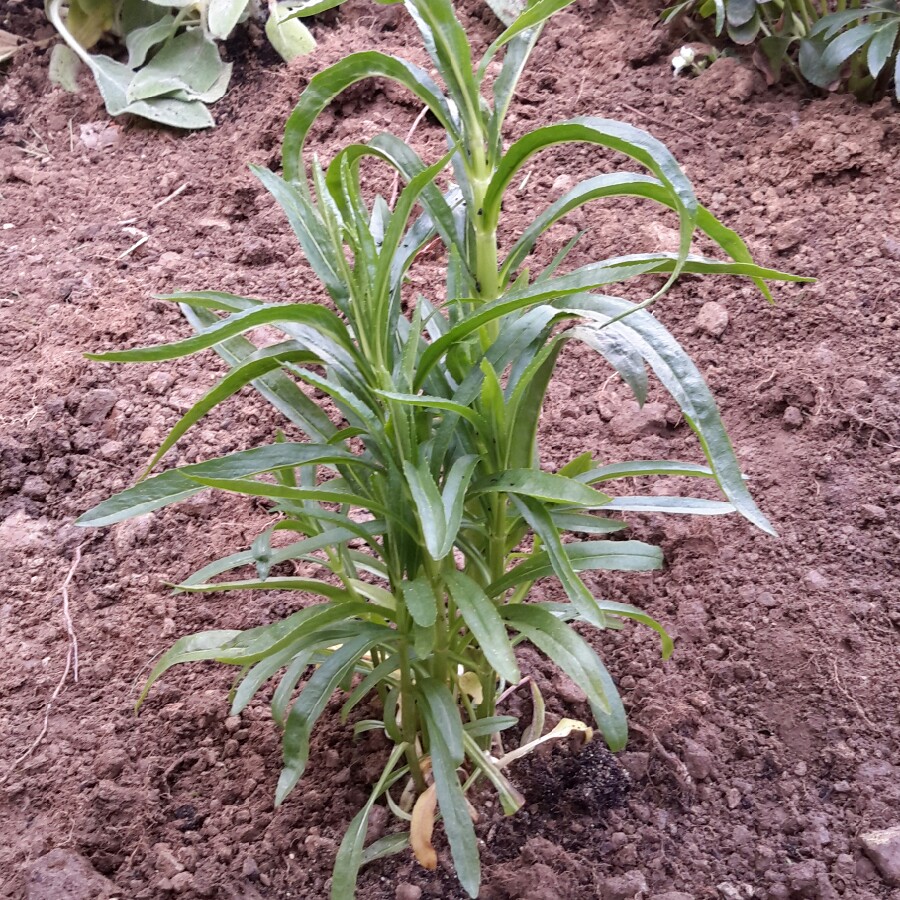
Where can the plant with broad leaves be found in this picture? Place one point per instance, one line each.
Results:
(853, 42)
(422, 514)
(173, 69)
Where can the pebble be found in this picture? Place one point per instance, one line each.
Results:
(35, 487)
(250, 869)
(95, 406)
(66, 874)
(883, 849)
(698, 760)
(673, 895)
(816, 580)
(712, 318)
(562, 184)
(789, 236)
(158, 382)
(624, 887)
(182, 882)
(407, 891)
(870, 512)
(732, 798)
(792, 418)
(166, 863)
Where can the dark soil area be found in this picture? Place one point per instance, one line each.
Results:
(760, 753)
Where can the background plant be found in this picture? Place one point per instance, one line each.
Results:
(173, 68)
(419, 502)
(852, 43)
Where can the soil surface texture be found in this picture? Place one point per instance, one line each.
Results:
(762, 754)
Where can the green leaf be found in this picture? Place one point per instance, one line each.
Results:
(536, 14)
(846, 44)
(689, 505)
(223, 15)
(611, 344)
(583, 523)
(882, 46)
(643, 467)
(326, 85)
(483, 620)
(538, 517)
(627, 611)
(177, 484)
(309, 706)
(454, 498)
(614, 556)
(445, 744)
(418, 595)
(574, 656)
(202, 645)
(542, 486)
(324, 493)
(429, 507)
(350, 856)
(190, 61)
(141, 41)
(684, 382)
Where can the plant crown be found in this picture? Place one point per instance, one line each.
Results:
(419, 499)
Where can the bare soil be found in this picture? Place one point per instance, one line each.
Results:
(760, 752)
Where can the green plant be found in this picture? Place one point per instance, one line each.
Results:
(855, 43)
(173, 68)
(421, 499)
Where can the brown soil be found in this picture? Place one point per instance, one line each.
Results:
(759, 753)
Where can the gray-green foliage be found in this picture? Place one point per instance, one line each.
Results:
(173, 69)
(853, 43)
(420, 503)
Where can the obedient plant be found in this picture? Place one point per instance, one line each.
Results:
(419, 497)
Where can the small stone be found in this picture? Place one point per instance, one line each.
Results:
(673, 895)
(232, 723)
(631, 421)
(732, 798)
(890, 248)
(112, 449)
(158, 382)
(870, 512)
(800, 769)
(182, 882)
(166, 862)
(567, 690)
(624, 887)
(856, 389)
(562, 184)
(883, 849)
(816, 580)
(35, 487)
(250, 869)
(379, 818)
(407, 891)
(789, 236)
(168, 629)
(66, 875)
(637, 763)
(95, 406)
(792, 418)
(712, 318)
(698, 760)
(170, 261)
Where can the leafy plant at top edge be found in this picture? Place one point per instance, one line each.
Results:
(856, 44)
(173, 68)
(418, 507)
